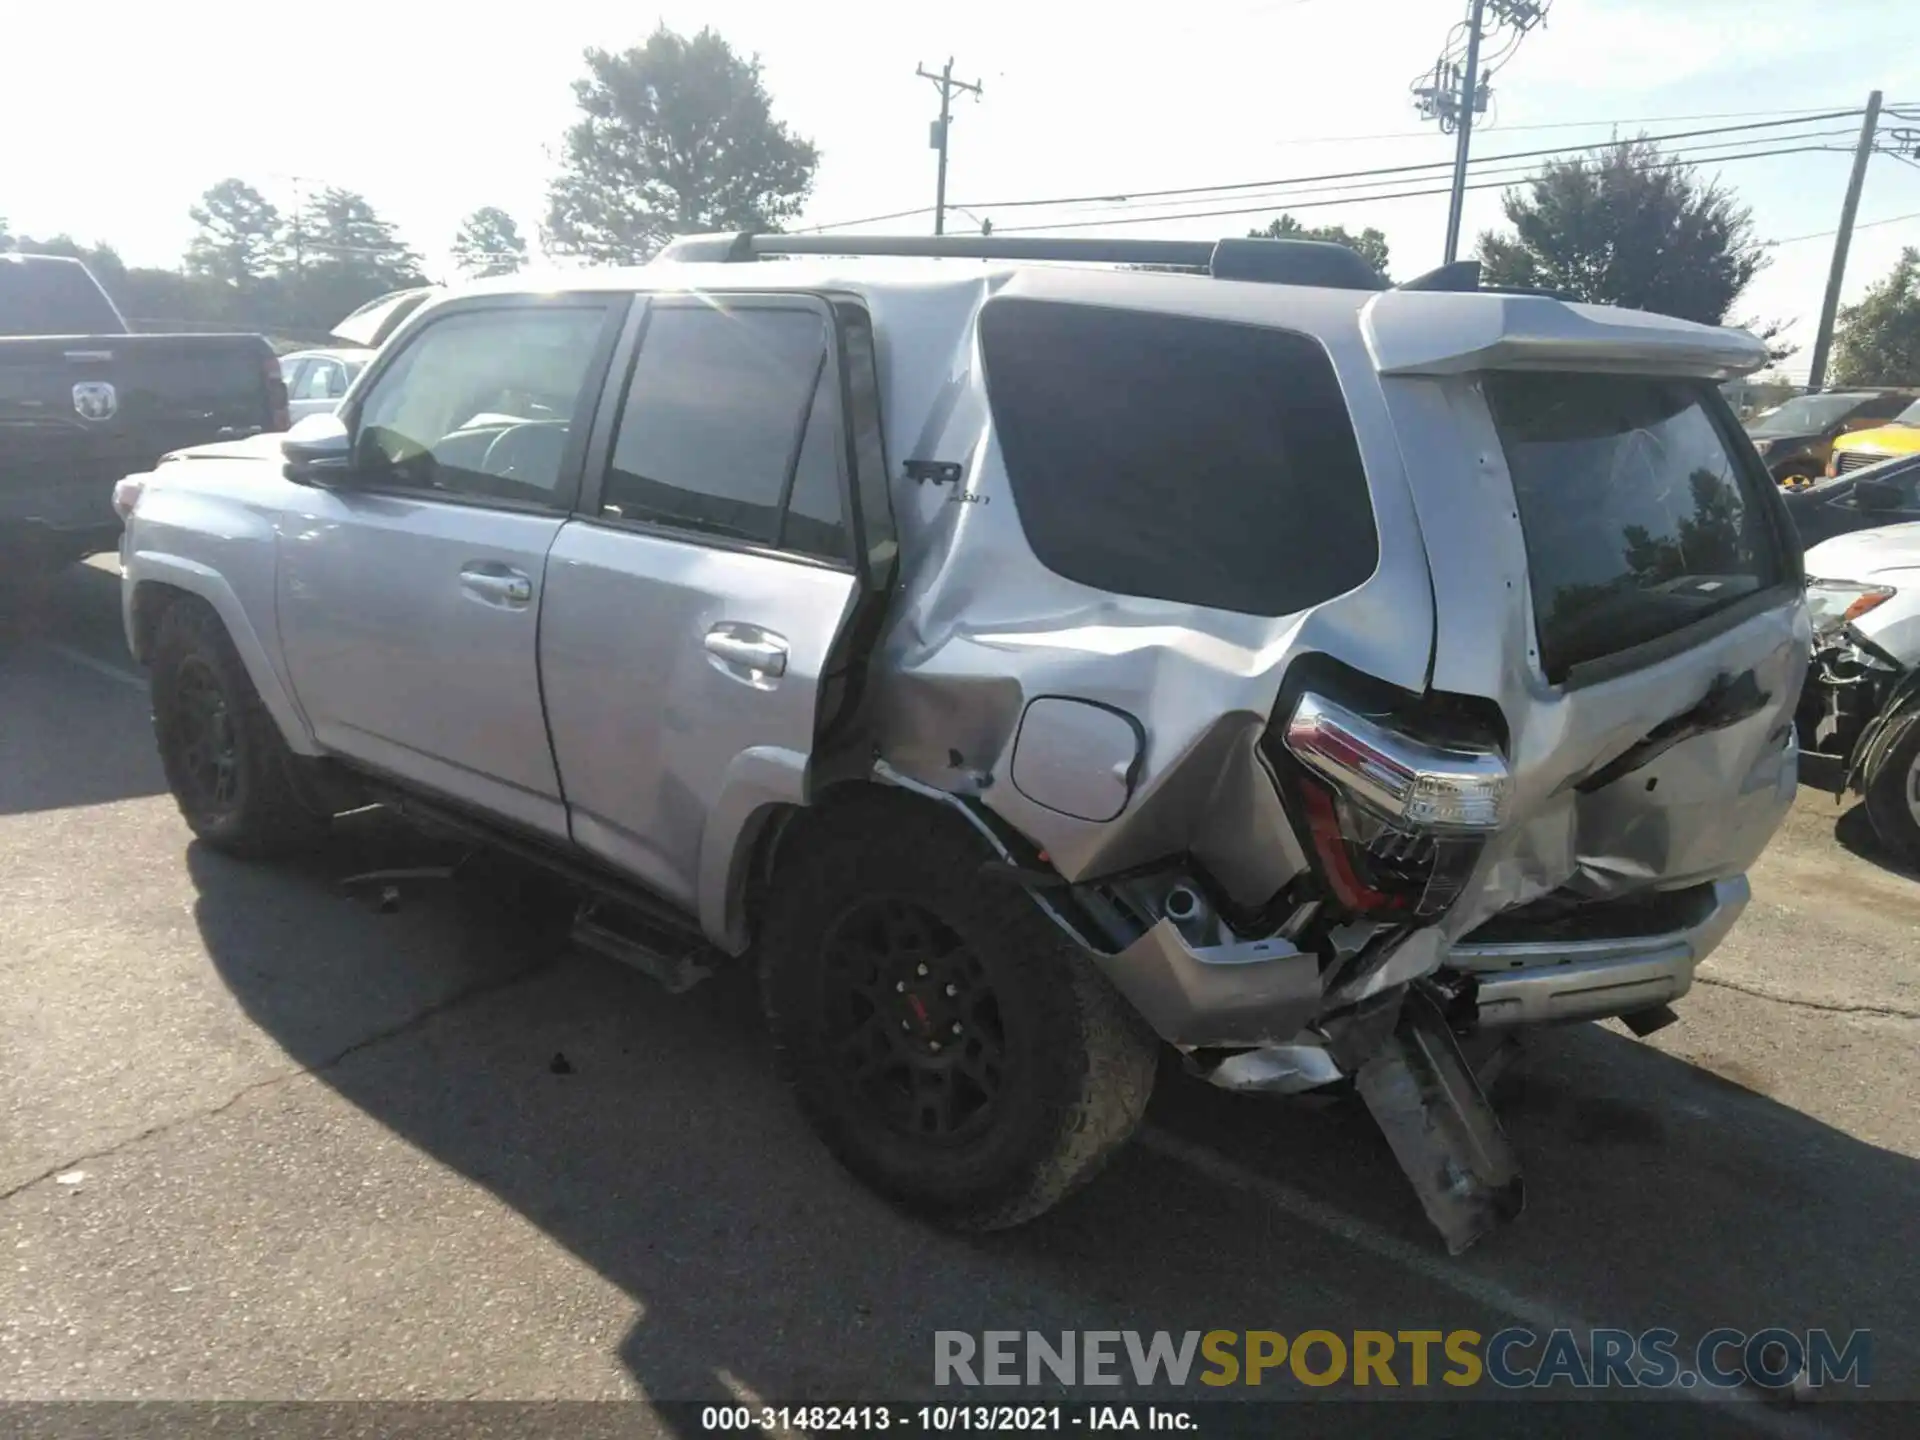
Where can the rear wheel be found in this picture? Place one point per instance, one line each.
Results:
(230, 772)
(1893, 793)
(946, 1040)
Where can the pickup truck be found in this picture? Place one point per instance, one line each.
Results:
(83, 402)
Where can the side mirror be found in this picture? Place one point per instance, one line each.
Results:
(318, 451)
(1876, 495)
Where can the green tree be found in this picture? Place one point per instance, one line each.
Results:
(240, 240)
(340, 255)
(1370, 244)
(675, 136)
(1878, 340)
(102, 259)
(489, 243)
(340, 229)
(1628, 227)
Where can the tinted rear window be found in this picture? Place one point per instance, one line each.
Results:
(53, 297)
(1176, 458)
(1639, 519)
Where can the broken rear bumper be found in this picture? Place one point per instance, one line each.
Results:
(1546, 981)
(1242, 993)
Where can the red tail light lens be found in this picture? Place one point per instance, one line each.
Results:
(1396, 822)
(279, 407)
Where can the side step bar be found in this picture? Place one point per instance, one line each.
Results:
(666, 955)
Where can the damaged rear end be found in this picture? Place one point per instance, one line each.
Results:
(1349, 673)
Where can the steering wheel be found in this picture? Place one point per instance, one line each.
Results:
(519, 449)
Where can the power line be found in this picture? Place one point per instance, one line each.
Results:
(1776, 117)
(1708, 154)
(1826, 234)
(1614, 121)
(1203, 190)
(1366, 199)
(866, 220)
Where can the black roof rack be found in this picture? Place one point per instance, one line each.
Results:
(1273, 262)
(1464, 275)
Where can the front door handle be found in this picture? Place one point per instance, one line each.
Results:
(497, 585)
(748, 647)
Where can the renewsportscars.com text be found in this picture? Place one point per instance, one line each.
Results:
(1512, 1359)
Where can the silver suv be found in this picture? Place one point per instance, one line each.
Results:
(1029, 664)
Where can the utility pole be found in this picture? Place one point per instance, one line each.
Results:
(938, 136)
(299, 226)
(1463, 135)
(1830, 306)
(1456, 90)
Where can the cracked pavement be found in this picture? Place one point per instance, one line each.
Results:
(262, 1141)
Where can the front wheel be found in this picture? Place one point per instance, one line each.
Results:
(228, 767)
(1893, 793)
(947, 1041)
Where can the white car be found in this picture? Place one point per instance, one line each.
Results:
(318, 380)
(1862, 696)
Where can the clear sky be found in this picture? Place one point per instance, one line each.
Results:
(115, 116)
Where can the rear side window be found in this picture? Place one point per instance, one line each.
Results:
(1639, 520)
(731, 428)
(1178, 459)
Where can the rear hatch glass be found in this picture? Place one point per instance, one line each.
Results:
(1178, 458)
(1640, 515)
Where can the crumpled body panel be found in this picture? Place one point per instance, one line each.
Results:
(982, 629)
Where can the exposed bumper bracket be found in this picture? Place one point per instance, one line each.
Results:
(1424, 1097)
(1246, 992)
(1551, 982)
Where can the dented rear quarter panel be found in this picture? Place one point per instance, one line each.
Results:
(981, 627)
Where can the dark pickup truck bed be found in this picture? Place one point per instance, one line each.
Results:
(82, 403)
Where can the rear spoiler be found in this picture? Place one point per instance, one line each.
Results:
(1421, 330)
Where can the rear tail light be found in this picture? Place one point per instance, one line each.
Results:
(279, 407)
(1396, 822)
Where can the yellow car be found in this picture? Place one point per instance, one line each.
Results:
(1899, 436)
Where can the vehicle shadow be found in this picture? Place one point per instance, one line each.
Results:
(1855, 834)
(75, 729)
(648, 1136)
(1852, 829)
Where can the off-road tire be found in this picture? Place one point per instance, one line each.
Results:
(1886, 788)
(266, 815)
(1080, 1063)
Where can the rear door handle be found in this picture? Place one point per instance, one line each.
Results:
(748, 647)
(497, 585)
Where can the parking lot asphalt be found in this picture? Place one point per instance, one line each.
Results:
(259, 1139)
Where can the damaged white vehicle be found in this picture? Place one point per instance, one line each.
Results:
(1030, 663)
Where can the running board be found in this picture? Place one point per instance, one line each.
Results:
(1426, 1101)
(670, 956)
